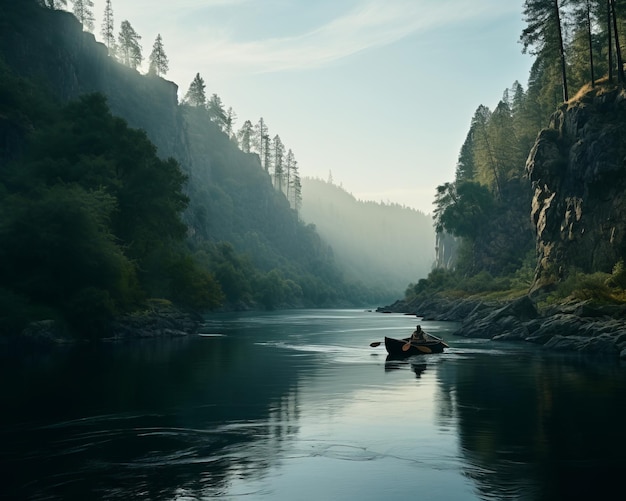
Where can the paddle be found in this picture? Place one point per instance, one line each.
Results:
(439, 339)
(405, 347)
(423, 349)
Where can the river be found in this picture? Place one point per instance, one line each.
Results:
(295, 405)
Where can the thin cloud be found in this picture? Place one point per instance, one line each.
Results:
(373, 24)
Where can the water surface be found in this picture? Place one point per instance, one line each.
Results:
(297, 405)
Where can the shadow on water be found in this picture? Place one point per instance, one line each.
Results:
(279, 399)
(393, 363)
(150, 420)
(537, 426)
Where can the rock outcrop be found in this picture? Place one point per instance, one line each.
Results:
(578, 326)
(577, 168)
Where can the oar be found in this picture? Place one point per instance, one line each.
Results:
(439, 339)
(375, 344)
(423, 349)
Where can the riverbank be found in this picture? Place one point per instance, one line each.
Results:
(575, 326)
(158, 319)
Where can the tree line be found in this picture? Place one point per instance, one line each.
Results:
(278, 161)
(126, 47)
(577, 44)
(93, 223)
(91, 218)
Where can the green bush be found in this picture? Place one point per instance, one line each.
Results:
(582, 286)
(618, 277)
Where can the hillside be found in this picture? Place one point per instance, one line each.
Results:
(241, 244)
(385, 245)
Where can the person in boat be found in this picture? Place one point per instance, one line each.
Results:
(418, 334)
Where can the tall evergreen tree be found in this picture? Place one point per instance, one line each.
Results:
(267, 152)
(296, 189)
(83, 10)
(159, 65)
(53, 4)
(543, 34)
(260, 140)
(465, 166)
(278, 154)
(195, 94)
(589, 24)
(245, 135)
(229, 124)
(486, 161)
(108, 28)
(216, 111)
(290, 163)
(618, 50)
(129, 49)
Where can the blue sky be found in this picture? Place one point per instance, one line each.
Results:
(378, 92)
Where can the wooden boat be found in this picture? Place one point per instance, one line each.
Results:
(432, 345)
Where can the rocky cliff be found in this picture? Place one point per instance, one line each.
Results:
(50, 47)
(577, 168)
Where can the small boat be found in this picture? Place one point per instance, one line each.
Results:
(432, 345)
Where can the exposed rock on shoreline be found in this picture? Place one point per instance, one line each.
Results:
(576, 168)
(155, 321)
(578, 326)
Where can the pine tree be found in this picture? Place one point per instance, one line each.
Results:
(158, 60)
(216, 111)
(465, 166)
(229, 124)
(129, 47)
(245, 135)
(108, 30)
(53, 4)
(543, 34)
(278, 154)
(83, 10)
(267, 155)
(487, 168)
(618, 50)
(195, 95)
(260, 139)
(290, 162)
(296, 189)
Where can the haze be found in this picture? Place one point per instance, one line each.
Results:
(378, 92)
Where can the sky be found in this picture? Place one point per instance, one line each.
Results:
(378, 94)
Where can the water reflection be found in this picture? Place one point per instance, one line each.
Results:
(297, 405)
(395, 363)
(536, 426)
(145, 421)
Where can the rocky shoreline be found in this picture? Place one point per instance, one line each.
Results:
(156, 320)
(575, 327)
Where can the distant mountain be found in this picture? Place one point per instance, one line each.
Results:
(384, 245)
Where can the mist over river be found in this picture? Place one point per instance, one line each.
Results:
(295, 405)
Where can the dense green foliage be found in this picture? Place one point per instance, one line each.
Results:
(94, 222)
(250, 235)
(487, 206)
(91, 217)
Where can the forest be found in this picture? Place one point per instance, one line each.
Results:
(98, 217)
(383, 244)
(577, 47)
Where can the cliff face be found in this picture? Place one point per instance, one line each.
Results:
(51, 48)
(578, 172)
(231, 196)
